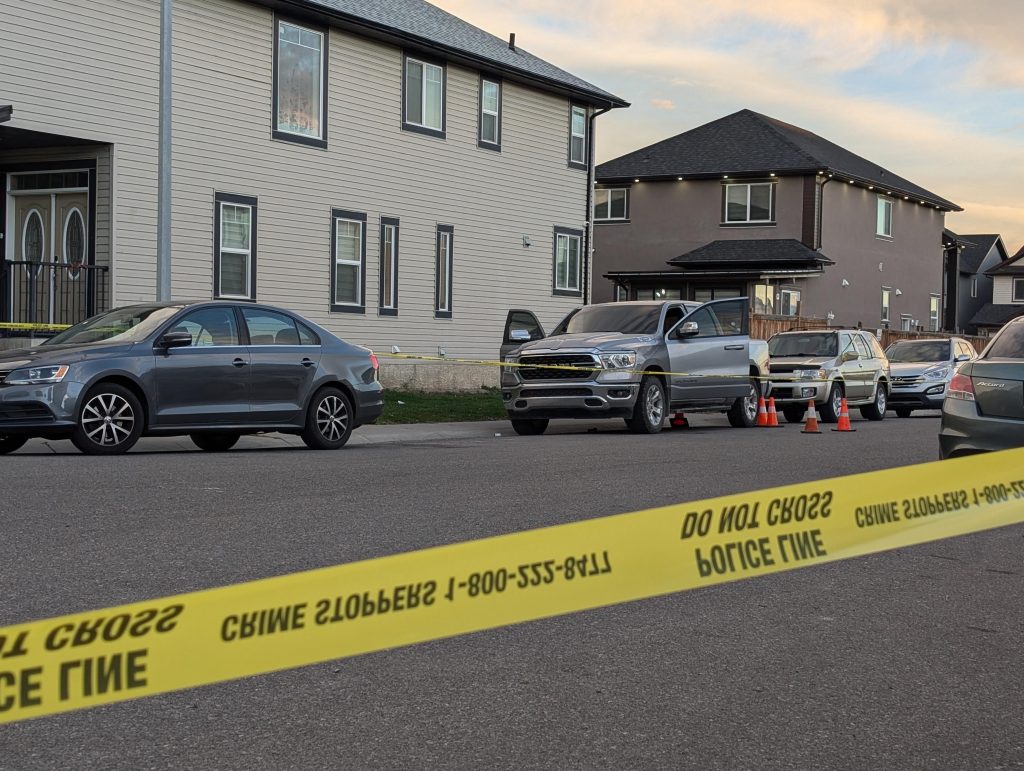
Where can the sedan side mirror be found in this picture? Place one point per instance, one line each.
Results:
(687, 329)
(174, 340)
(849, 356)
(519, 336)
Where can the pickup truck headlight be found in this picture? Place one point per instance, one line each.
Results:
(37, 375)
(619, 360)
(937, 374)
(812, 374)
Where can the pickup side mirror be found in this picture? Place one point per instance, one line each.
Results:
(849, 356)
(963, 357)
(519, 335)
(174, 340)
(687, 329)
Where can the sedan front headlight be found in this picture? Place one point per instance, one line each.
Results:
(37, 375)
(619, 360)
(937, 374)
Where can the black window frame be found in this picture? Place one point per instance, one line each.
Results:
(344, 214)
(480, 141)
(583, 165)
(772, 220)
(415, 127)
(381, 310)
(450, 231)
(288, 136)
(1013, 290)
(555, 290)
(253, 204)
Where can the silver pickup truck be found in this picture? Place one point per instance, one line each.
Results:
(641, 361)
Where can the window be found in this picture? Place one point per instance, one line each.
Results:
(443, 282)
(748, 203)
(1018, 290)
(723, 320)
(272, 328)
(578, 136)
(974, 287)
(933, 313)
(490, 114)
(234, 246)
(764, 299)
(567, 268)
(388, 267)
(1009, 344)
(621, 295)
(789, 302)
(209, 327)
(861, 347)
(300, 84)
(883, 217)
(906, 322)
(886, 294)
(611, 204)
(348, 261)
(424, 97)
(32, 241)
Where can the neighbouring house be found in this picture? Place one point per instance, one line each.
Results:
(383, 167)
(968, 287)
(749, 205)
(1007, 296)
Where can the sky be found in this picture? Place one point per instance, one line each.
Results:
(930, 89)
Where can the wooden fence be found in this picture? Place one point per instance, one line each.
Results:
(763, 327)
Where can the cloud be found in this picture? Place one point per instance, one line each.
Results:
(663, 104)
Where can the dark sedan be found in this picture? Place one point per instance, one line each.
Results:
(212, 370)
(984, 407)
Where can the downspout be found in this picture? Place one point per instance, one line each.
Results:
(820, 216)
(588, 218)
(163, 212)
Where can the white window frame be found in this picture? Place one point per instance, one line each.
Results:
(391, 282)
(496, 113)
(974, 287)
(246, 252)
(358, 262)
(934, 312)
(423, 94)
(906, 322)
(883, 203)
(748, 186)
(321, 135)
(33, 212)
(573, 282)
(1013, 290)
(783, 292)
(886, 303)
(573, 111)
(607, 216)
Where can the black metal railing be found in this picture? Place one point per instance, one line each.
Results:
(46, 293)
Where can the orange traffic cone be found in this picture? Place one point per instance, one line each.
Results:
(844, 419)
(811, 420)
(679, 421)
(762, 416)
(773, 416)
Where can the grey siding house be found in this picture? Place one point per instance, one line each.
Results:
(749, 205)
(390, 171)
(967, 281)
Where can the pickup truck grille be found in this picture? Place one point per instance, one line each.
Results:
(531, 392)
(543, 372)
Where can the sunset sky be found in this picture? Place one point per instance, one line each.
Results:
(931, 89)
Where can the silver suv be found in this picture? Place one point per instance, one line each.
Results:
(827, 365)
(921, 371)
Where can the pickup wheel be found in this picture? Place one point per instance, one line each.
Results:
(743, 413)
(793, 413)
(649, 412)
(529, 427)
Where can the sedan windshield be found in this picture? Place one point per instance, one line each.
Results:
(627, 319)
(1009, 344)
(123, 325)
(804, 344)
(933, 350)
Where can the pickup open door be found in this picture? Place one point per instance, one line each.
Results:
(524, 327)
(711, 348)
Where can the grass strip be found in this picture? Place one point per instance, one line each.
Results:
(418, 407)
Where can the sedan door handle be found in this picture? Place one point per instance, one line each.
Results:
(307, 362)
(239, 362)
(734, 347)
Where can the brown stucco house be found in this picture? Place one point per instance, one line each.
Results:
(749, 205)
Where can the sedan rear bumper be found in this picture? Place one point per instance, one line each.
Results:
(965, 431)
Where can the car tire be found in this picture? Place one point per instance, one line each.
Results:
(876, 410)
(743, 413)
(902, 412)
(649, 411)
(829, 411)
(793, 413)
(11, 443)
(328, 420)
(110, 421)
(529, 427)
(215, 441)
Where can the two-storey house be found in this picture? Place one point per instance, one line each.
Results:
(749, 205)
(968, 285)
(392, 172)
(1007, 296)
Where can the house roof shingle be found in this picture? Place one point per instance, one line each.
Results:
(747, 142)
(975, 251)
(1014, 266)
(758, 251)
(992, 315)
(420, 23)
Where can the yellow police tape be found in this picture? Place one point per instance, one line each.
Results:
(156, 646)
(20, 326)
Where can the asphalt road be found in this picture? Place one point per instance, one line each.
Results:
(909, 659)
